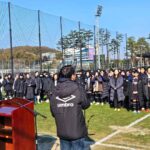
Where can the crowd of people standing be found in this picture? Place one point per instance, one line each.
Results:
(36, 87)
(120, 88)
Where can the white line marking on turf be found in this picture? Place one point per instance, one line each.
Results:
(117, 146)
(118, 131)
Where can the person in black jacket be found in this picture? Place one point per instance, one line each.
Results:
(39, 86)
(136, 92)
(106, 87)
(146, 86)
(15, 84)
(8, 86)
(80, 78)
(47, 86)
(19, 86)
(67, 101)
(142, 76)
(126, 89)
(116, 92)
(89, 87)
(55, 79)
(29, 87)
(1, 97)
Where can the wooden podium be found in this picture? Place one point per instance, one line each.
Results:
(17, 130)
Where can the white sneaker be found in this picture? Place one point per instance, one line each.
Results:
(138, 111)
(47, 101)
(97, 103)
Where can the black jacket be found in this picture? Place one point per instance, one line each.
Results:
(8, 84)
(39, 84)
(29, 88)
(140, 91)
(67, 101)
(47, 85)
(145, 87)
(88, 86)
(19, 86)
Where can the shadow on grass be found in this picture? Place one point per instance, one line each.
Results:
(46, 142)
(88, 142)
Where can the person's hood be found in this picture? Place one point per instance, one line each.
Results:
(65, 88)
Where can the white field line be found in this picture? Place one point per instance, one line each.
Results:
(141, 147)
(117, 146)
(118, 131)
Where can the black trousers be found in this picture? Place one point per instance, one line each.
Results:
(21, 95)
(147, 103)
(97, 97)
(1, 95)
(90, 96)
(9, 93)
(117, 103)
(135, 102)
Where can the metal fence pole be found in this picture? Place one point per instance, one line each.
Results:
(127, 62)
(80, 44)
(10, 37)
(40, 50)
(95, 57)
(61, 34)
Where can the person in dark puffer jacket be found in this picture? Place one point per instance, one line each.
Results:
(47, 86)
(29, 85)
(8, 86)
(67, 102)
(106, 87)
(19, 86)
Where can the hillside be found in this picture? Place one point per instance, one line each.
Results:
(30, 53)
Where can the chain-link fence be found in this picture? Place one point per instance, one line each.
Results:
(33, 40)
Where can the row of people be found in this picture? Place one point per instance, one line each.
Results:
(33, 87)
(129, 89)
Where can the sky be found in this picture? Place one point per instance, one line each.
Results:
(125, 16)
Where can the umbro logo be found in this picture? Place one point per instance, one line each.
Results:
(66, 99)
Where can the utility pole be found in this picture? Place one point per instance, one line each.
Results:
(98, 14)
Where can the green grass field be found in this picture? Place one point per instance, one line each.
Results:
(104, 121)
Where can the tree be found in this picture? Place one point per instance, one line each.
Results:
(76, 39)
(119, 39)
(106, 39)
(143, 47)
(102, 38)
(113, 47)
(131, 47)
(137, 48)
(141, 42)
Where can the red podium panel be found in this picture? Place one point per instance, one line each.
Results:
(17, 131)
